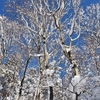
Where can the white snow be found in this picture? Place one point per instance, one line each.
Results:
(52, 63)
(48, 72)
(68, 49)
(78, 83)
(38, 55)
(62, 5)
(1, 87)
(75, 80)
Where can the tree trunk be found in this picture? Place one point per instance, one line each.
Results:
(51, 93)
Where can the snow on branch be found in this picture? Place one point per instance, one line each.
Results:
(77, 84)
(26, 23)
(48, 72)
(75, 38)
(72, 26)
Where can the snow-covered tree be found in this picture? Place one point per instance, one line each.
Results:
(50, 51)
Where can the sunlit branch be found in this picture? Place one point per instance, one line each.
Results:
(73, 25)
(26, 23)
(75, 38)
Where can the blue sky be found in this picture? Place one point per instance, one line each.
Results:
(84, 3)
(2, 3)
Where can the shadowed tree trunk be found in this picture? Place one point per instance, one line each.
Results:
(22, 81)
(51, 93)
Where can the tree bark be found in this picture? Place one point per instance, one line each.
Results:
(51, 93)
